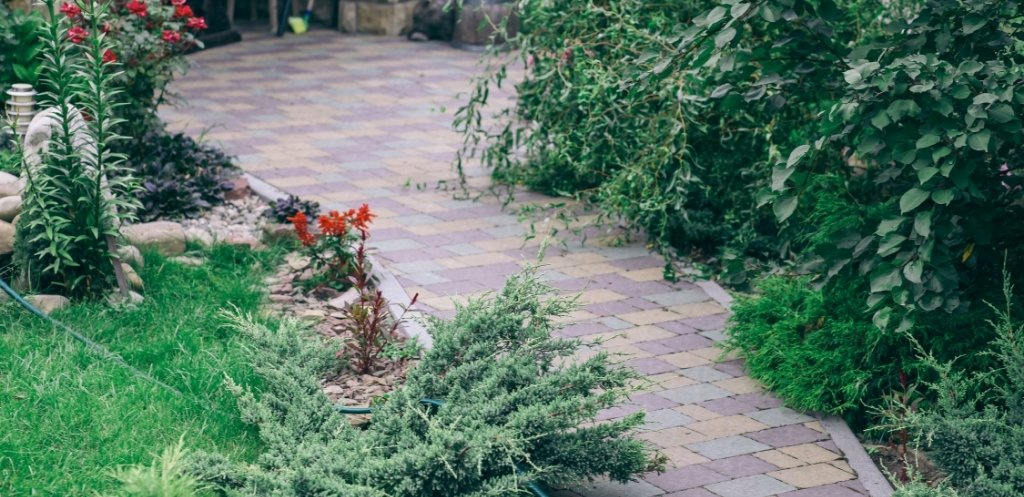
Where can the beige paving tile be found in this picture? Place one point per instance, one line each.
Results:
(809, 453)
(779, 459)
(650, 316)
(815, 475)
(739, 385)
(727, 426)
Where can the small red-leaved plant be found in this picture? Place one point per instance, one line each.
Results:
(368, 322)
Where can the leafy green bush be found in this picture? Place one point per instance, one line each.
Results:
(19, 46)
(674, 130)
(919, 489)
(78, 194)
(180, 176)
(513, 410)
(928, 115)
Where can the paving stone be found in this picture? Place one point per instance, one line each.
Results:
(726, 426)
(824, 491)
(720, 448)
(613, 489)
(809, 453)
(740, 466)
(665, 418)
(650, 365)
(686, 478)
(693, 492)
(694, 393)
(786, 435)
(680, 457)
(812, 476)
(750, 486)
(678, 297)
(705, 374)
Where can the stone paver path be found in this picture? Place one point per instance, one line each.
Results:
(345, 120)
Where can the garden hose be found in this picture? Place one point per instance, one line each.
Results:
(89, 344)
(539, 492)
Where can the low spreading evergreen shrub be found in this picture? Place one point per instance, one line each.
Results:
(513, 406)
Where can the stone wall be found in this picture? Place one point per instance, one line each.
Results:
(381, 17)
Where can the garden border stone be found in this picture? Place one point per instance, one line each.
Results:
(396, 296)
(875, 483)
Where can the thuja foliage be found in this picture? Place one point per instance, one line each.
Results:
(78, 194)
(514, 407)
(819, 350)
(975, 431)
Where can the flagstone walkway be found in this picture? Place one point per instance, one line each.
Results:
(345, 120)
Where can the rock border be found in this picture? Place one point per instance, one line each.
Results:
(396, 296)
(876, 484)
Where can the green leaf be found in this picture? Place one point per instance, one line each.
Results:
(797, 154)
(912, 199)
(884, 280)
(721, 91)
(1000, 113)
(914, 270)
(725, 36)
(984, 98)
(973, 22)
(927, 141)
(783, 207)
(770, 12)
(890, 244)
(926, 173)
(923, 223)
(979, 141)
(880, 120)
(887, 226)
(739, 9)
(942, 197)
(882, 317)
(779, 177)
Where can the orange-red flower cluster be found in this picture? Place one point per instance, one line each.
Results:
(301, 223)
(337, 224)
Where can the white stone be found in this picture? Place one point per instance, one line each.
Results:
(185, 260)
(10, 207)
(166, 237)
(134, 298)
(346, 299)
(6, 238)
(134, 280)
(10, 185)
(132, 255)
(48, 303)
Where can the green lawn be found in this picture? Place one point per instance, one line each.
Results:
(68, 418)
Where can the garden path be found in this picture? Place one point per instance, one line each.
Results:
(345, 120)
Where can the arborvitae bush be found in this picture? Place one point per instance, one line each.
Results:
(975, 433)
(515, 406)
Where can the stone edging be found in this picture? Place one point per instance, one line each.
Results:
(388, 285)
(876, 484)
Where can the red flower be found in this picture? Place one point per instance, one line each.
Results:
(301, 223)
(171, 36)
(196, 23)
(178, 3)
(109, 56)
(183, 11)
(333, 224)
(136, 7)
(77, 34)
(363, 217)
(106, 27)
(69, 9)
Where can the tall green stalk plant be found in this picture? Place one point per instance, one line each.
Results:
(79, 192)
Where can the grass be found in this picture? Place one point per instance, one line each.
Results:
(70, 419)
